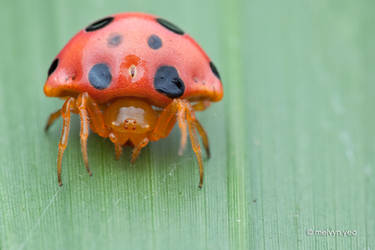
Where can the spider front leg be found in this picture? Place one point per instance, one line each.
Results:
(81, 104)
(52, 118)
(182, 111)
(167, 119)
(203, 134)
(118, 147)
(65, 113)
(181, 118)
(201, 106)
(88, 108)
(137, 149)
(195, 145)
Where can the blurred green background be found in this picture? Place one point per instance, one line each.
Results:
(293, 141)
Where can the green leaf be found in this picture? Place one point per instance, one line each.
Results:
(293, 141)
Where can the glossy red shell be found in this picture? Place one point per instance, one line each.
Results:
(86, 49)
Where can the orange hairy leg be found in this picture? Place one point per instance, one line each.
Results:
(203, 135)
(137, 149)
(166, 121)
(181, 118)
(202, 105)
(195, 144)
(180, 108)
(88, 108)
(183, 112)
(81, 104)
(65, 113)
(90, 114)
(118, 147)
(118, 150)
(94, 112)
(52, 118)
(96, 117)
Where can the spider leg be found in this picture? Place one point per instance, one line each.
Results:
(118, 147)
(202, 105)
(52, 118)
(165, 122)
(195, 145)
(81, 104)
(96, 116)
(203, 134)
(181, 118)
(137, 149)
(65, 113)
(183, 112)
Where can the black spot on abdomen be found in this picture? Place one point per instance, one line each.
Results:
(100, 76)
(114, 40)
(168, 82)
(53, 66)
(214, 70)
(154, 42)
(170, 26)
(99, 24)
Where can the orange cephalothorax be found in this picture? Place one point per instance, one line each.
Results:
(131, 77)
(130, 115)
(130, 120)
